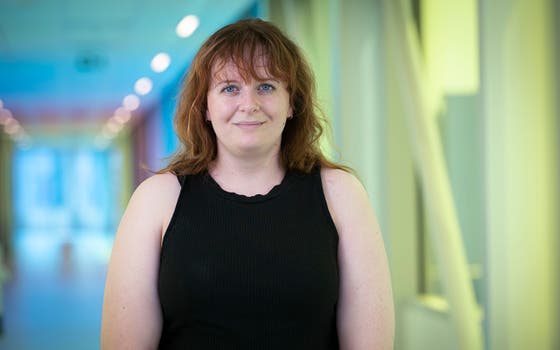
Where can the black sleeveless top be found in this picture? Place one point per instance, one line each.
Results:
(257, 272)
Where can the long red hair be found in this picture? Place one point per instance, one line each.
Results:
(245, 43)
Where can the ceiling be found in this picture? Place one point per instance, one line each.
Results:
(64, 61)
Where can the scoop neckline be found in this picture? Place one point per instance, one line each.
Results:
(274, 191)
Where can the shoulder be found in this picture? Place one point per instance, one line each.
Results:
(341, 185)
(346, 198)
(156, 190)
(336, 179)
(158, 186)
(155, 198)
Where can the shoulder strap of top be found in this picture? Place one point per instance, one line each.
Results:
(181, 179)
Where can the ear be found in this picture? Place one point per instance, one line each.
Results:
(207, 115)
(290, 112)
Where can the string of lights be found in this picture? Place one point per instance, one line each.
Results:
(143, 86)
(12, 127)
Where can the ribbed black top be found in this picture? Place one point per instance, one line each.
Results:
(257, 272)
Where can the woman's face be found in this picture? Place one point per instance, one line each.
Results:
(248, 117)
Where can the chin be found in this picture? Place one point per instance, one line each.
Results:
(254, 148)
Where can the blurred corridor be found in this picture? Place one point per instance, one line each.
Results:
(448, 111)
(53, 299)
(64, 213)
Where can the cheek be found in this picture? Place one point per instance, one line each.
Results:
(215, 109)
(287, 103)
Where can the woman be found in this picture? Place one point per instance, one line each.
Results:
(250, 238)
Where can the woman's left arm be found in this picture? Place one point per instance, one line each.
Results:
(365, 315)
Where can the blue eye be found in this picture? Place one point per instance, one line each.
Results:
(266, 87)
(230, 89)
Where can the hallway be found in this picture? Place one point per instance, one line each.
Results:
(55, 297)
(448, 112)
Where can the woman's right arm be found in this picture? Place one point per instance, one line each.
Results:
(131, 309)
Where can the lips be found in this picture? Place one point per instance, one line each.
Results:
(249, 123)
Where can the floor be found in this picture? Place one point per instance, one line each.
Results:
(54, 297)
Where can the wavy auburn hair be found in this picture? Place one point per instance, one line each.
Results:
(248, 43)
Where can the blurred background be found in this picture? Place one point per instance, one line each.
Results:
(448, 111)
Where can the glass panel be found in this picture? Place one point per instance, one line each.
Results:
(460, 135)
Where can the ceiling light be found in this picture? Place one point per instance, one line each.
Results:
(106, 133)
(131, 102)
(187, 26)
(122, 115)
(160, 62)
(113, 126)
(12, 127)
(143, 86)
(5, 116)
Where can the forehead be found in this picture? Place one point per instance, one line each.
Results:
(244, 70)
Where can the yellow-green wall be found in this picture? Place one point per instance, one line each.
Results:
(521, 171)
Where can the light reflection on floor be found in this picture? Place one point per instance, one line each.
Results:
(53, 300)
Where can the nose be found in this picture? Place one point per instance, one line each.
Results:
(249, 103)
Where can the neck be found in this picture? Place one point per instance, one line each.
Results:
(247, 176)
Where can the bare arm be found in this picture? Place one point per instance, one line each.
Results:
(365, 318)
(131, 309)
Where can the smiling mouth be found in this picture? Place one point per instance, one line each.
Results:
(249, 123)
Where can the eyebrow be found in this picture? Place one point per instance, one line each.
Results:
(234, 81)
(224, 81)
(227, 81)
